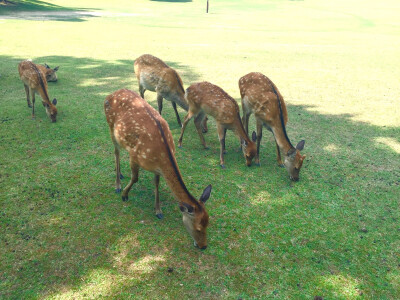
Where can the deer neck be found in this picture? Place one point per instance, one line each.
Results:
(178, 187)
(179, 98)
(239, 130)
(282, 140)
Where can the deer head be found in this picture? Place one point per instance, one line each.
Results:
(293, 161)
(51, 110)
(195, 219)
(51, 73)
(249, 148)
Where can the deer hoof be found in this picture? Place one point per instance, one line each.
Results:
(222, 166)
(125, 198)
(121, 176)
(117, 191)
(29, 105)
(204, 130)
(258, 164)
(206, 147)
(160, 216)
(180, 146)
(281, 165)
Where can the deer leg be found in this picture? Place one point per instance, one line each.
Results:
(157, 194)
(245, 121)
(117, 167)
(141, 90)
(188, 117)
(197, 122)
(134, 179)
(204, 125)
(33, 102)
(278, 155)
(259, 137)
(159, 101)
(221, 134)
(176, 113)
(27, 95)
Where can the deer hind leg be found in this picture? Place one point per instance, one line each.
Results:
(221, 134)
(157, 195)
(188, 117)
(259, 137)
(204, 125)
(32, 92)
(197, 122)
(27, 95)
(176, 113)
(134, 179)
(117, 167)
(159, 102)
(141, 90)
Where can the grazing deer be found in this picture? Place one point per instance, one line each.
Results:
(50, 73)
(140, 129)
(35, 82)
(261, 96)
(206, 98)
(155, 75)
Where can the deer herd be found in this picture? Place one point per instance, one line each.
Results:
(141, 130)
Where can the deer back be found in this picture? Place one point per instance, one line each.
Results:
(214, 101)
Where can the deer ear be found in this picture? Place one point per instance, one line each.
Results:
(54, 101)
(254, 136)
(186, 208)
(206, 194)
(300, 145)
(56, 68)
(47, 66)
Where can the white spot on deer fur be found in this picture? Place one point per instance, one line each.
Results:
(148, 149)
(144, 156)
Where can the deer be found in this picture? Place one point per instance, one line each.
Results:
(155, 75)
(51, 75)
(205, 98)
(138, 128)
(35, 83)
(261, 97)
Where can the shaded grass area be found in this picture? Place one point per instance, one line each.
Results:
(41, 10)
(66, 234)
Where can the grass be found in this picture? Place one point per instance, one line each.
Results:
(335, 234)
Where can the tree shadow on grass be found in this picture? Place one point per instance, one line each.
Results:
(44, 11)
(65, 232)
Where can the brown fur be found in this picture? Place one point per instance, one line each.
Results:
(35, 83)
(261, 97)
(205, 98)
(51, 75)
(140, 129)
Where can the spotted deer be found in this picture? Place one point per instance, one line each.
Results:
(261, 97)
(51, 75)
(35, 83)
(140, 129)
(155, 75)
(205, 98)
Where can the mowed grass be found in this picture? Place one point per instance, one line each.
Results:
(65, 234)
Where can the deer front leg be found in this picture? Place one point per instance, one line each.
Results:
(157, 194)
(176, 113)
(134, 179)
(278, 156)
(197, 122)
(259, 137)
(221, 134)
(27, 95)
(188, 117)
(245, 121)
(159, 102)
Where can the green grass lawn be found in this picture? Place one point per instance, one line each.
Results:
(65, 234)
